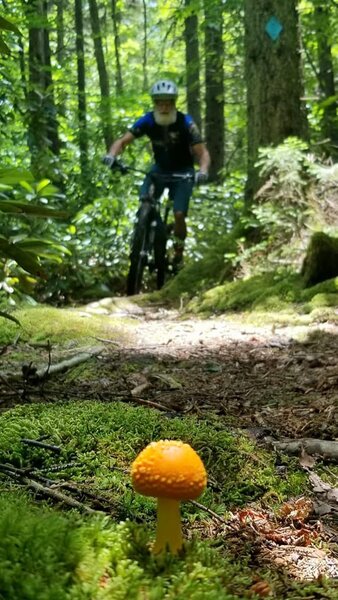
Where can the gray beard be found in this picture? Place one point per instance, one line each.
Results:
(165, 120)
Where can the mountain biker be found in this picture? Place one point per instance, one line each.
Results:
(176, 144)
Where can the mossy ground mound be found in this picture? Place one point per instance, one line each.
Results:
(321, 260)
(41, 323)
(271, 292)
(59, 555)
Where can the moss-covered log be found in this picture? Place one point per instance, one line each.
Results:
(321, 261)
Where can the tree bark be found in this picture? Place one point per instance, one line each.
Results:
(106, 116)
(42, 121)
(192, 66)
(81, 92)
(116, 21)
(274, 81)
(326, 77)
(145, 46)
(214, 86)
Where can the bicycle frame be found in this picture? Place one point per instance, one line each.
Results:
(149, 244)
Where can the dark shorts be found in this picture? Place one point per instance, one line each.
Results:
(179, 191)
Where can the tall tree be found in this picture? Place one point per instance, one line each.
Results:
(116, 16)
(273, 77)
(42, 123)
(106, 116)
(214, 85)
(192, 64)
(326, 76)
(81, 93)
(145, 46)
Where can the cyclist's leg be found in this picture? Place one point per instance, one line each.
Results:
(180, 193)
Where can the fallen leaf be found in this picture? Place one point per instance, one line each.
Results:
(261, 588)
(306, 460)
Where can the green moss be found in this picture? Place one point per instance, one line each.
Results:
(279, 294)
(47, 555)
(43, 323)
(199, 276)
(100, 436)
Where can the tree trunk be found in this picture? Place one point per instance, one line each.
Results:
(214, 86)
(60, 54)
(42, 122)
(116, 21)
(273, 76)
(321, 261)
(192, 66)
(106, 116)
(51, 116)
(326, 77)
(60, 43)
(81, 92)
(145, 46)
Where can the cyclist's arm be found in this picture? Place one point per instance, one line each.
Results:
(201, 156)
(119, 145)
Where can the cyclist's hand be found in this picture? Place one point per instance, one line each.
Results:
(109, 160)
(201, 177)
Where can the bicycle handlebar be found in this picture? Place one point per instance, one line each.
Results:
(124, 169)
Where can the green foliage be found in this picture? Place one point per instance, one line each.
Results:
(6, 25)
(21, 248)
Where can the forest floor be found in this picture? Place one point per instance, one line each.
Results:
(278, 384)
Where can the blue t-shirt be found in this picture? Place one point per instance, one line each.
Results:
(171, 144)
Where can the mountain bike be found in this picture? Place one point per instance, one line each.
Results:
(151, 232)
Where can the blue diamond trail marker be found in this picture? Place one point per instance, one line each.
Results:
(273, 28)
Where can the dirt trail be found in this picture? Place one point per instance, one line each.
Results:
(281, 380)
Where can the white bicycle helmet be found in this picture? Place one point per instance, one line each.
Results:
(164, 89)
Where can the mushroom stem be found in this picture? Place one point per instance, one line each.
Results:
(169, 529)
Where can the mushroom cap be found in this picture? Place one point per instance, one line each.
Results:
(169, 469)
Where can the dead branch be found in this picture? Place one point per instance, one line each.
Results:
(325, 448)
(60, 367)
(56, 495)
(36, 486)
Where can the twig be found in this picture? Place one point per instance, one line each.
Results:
(41, 445)
(39, 488)
(19, 475)
(209, 511)
(107, 341)
(148, 403)
(56, 468)
(64, 365)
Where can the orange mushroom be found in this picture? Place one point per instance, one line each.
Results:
(171, 471)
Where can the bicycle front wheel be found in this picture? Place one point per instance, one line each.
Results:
(138, 259)
(160, 249)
